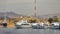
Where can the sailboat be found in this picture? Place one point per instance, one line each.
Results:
(4, 22)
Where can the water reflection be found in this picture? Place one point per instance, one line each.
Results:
(28, 31)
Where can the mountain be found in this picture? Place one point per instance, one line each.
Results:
(2, 14)
(13, 14)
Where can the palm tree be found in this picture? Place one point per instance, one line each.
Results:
(50, 20)
(55, 19)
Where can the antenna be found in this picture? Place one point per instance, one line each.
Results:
(35, 8)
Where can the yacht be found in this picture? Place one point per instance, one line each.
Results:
(55, 25)
(42, 25)
(23, 24)
(35, 25)
(18, 25)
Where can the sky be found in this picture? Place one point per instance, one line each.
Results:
(26, 7)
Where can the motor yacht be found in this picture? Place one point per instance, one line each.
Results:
(42, 25)
(55, 25)
(23, 24)
(35, 25)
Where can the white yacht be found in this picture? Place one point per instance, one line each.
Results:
(35, 25)
(42, 25)
(55, 25)
(23, 24)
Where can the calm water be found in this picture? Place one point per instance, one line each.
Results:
(28, 31)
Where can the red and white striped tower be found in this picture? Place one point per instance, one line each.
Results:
(35, 8)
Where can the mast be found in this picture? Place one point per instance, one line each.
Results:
(4, 17)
